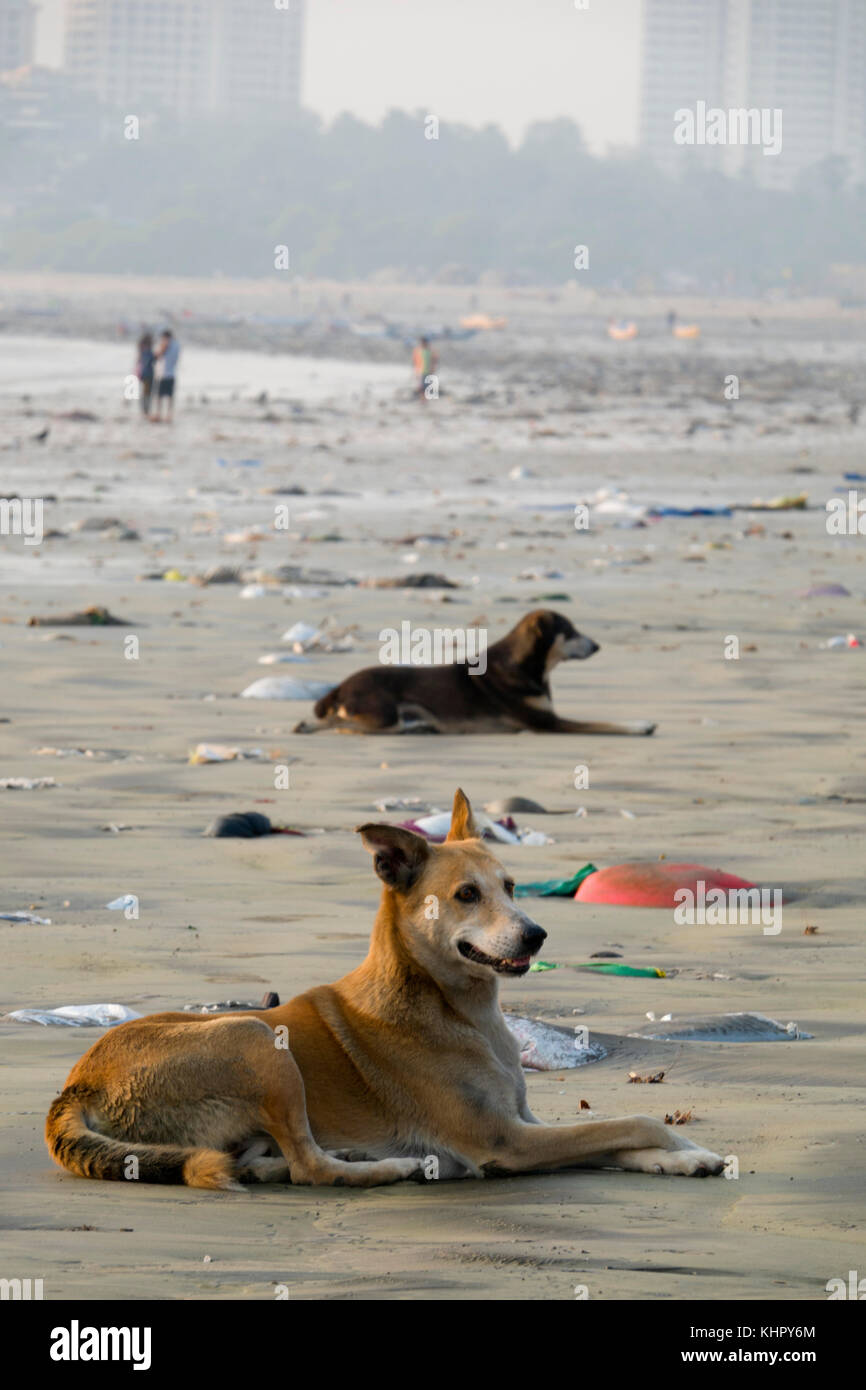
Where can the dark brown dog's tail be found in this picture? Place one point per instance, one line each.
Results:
(74, 1145)
(327, 704)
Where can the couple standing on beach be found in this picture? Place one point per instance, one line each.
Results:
(166, 353)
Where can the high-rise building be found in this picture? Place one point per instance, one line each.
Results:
(798, 67)
(187, 56)
(17, 26)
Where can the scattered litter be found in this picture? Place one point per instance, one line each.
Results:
(220, 574)
(654, 1080)
(114, 829)
(851, 787)
(28, 784)
(849, 640)
(689, 511)
(302, 635)
(285, 688)
(306, 638)
(69, 753)
(435, 828)
(25, 917)
(555, 887)
(544, 1047)
(679, 1117)
(222, 753)
(270, 1000)
(247, 825)
(281, 658)
(602, 967)
(826, 591)
(734, 1027)
(539, 965)
(260, 591)
(77, 1015)
(99, 523)
(247, 537)
(400, 803)
(120, 904)
(95, 616)
(650, 883)
(508, 805)
(798, 502)
(243, 825)
(411, 581)
(627, 815)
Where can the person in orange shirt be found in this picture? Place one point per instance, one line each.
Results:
(424, 364)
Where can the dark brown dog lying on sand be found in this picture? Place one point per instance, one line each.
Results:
(511, 692)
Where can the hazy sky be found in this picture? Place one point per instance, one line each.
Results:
(505, 61)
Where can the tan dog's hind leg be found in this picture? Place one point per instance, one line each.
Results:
(284, 1117)
(638, 1143)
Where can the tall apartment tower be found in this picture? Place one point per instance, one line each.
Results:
(804, 58)
(17, 25)
(238, 57)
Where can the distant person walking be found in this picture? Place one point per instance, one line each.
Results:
(144, 370)
(424, 364)
(167, 353)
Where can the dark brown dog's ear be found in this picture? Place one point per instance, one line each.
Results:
(543, 622)
(462, 824)
(398, 855)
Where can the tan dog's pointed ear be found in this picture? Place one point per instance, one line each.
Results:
(462, 824)
(398, 855)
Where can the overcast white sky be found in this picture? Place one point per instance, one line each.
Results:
(504, 61)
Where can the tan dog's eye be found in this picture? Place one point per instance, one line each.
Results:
(467, 893)
(508, 885)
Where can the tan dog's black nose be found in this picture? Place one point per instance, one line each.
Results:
(533, 936)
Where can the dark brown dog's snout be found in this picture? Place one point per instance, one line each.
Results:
(533, 936)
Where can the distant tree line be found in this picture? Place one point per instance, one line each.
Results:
(350, 200)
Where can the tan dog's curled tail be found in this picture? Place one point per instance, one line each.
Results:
(85, 1152)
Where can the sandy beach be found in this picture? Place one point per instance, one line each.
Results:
(757, 766)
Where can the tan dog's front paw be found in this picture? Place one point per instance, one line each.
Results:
(689, 1162)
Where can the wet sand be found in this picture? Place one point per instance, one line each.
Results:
(737, 776)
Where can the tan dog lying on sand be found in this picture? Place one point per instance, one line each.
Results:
(405, 1059)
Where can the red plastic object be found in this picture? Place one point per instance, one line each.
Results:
(652, 883)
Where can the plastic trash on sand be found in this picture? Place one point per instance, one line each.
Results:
(651, 883)
(121, 904)
(27, 784)
(611, 967)
(736, 1027)
(25, 917)
(837, 643)
(544, 1047)
(281, 658)
(239, 825)
(285, 688)
(259, 591)
(555, 887)
(221, 753)
(301, 635)
(77, 1015)
(435, 828)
